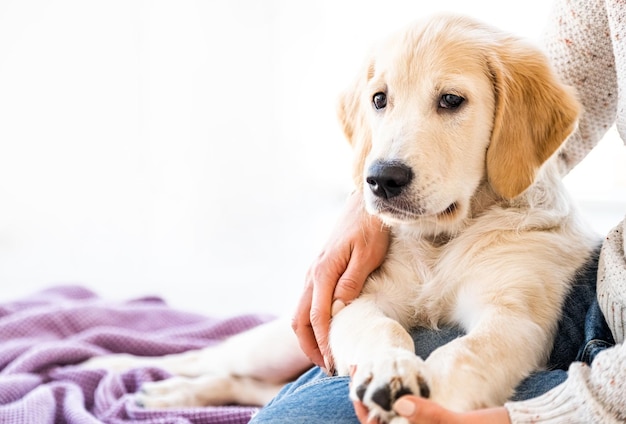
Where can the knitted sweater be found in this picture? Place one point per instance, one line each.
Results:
(587, 43)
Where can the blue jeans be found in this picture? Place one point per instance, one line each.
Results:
(316, 398)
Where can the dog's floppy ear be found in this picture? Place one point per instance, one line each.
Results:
(534, 115)
(353, 120)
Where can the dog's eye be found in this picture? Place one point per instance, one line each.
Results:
(450, 101)
(379, 100)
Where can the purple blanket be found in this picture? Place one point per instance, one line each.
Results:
(43, 335)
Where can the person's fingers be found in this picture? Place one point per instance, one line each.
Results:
(418, 410)
(311, 321)
(366, 254)
(362, 413)
(351, 282)
(356, 248)
(422, 411)
(321, 304)
(301, 325)
(405, 407)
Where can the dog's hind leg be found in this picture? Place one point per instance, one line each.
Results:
(206, 390)
(269, 352)
(256, 362)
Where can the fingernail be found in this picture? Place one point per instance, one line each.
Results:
(336, 307)
(404, 407)
(351, 370)
(329, 366)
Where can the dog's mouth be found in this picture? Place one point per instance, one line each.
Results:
(449, 212)
(405, 212)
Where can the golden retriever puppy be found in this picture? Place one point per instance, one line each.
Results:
(455, 128)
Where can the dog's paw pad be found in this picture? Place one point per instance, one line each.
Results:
(383, 397)
(379, 384)
(424, 388)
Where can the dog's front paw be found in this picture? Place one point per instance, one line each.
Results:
(378, 383)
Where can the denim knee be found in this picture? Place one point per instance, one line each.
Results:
(314, 398)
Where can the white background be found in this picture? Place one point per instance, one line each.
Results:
(190, 149)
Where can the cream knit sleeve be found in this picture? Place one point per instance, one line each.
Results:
(612, 283)
(579, 43)
(595, 394)
(587, 44)
(590, 395)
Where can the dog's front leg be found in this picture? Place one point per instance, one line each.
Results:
(382, 352)
(482, 368)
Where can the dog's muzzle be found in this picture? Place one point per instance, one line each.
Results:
(388, 179)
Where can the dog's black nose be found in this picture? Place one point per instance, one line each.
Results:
(387, 179)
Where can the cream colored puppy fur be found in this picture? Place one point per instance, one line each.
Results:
(455, 128)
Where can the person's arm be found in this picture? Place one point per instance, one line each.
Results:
(356, 247)
(595, 394)
(578, 41)
(423, 411)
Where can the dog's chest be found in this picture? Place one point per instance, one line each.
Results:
(413, 282)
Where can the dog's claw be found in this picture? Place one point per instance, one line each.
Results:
(423, 385)
(405, 391)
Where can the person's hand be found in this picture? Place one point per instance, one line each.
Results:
(418, 410)
(356, 247)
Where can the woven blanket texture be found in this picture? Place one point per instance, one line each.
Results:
(44, 336)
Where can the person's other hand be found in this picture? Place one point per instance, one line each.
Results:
(356, 247)
(418, 410)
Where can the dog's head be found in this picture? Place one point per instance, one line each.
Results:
(445, 107)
